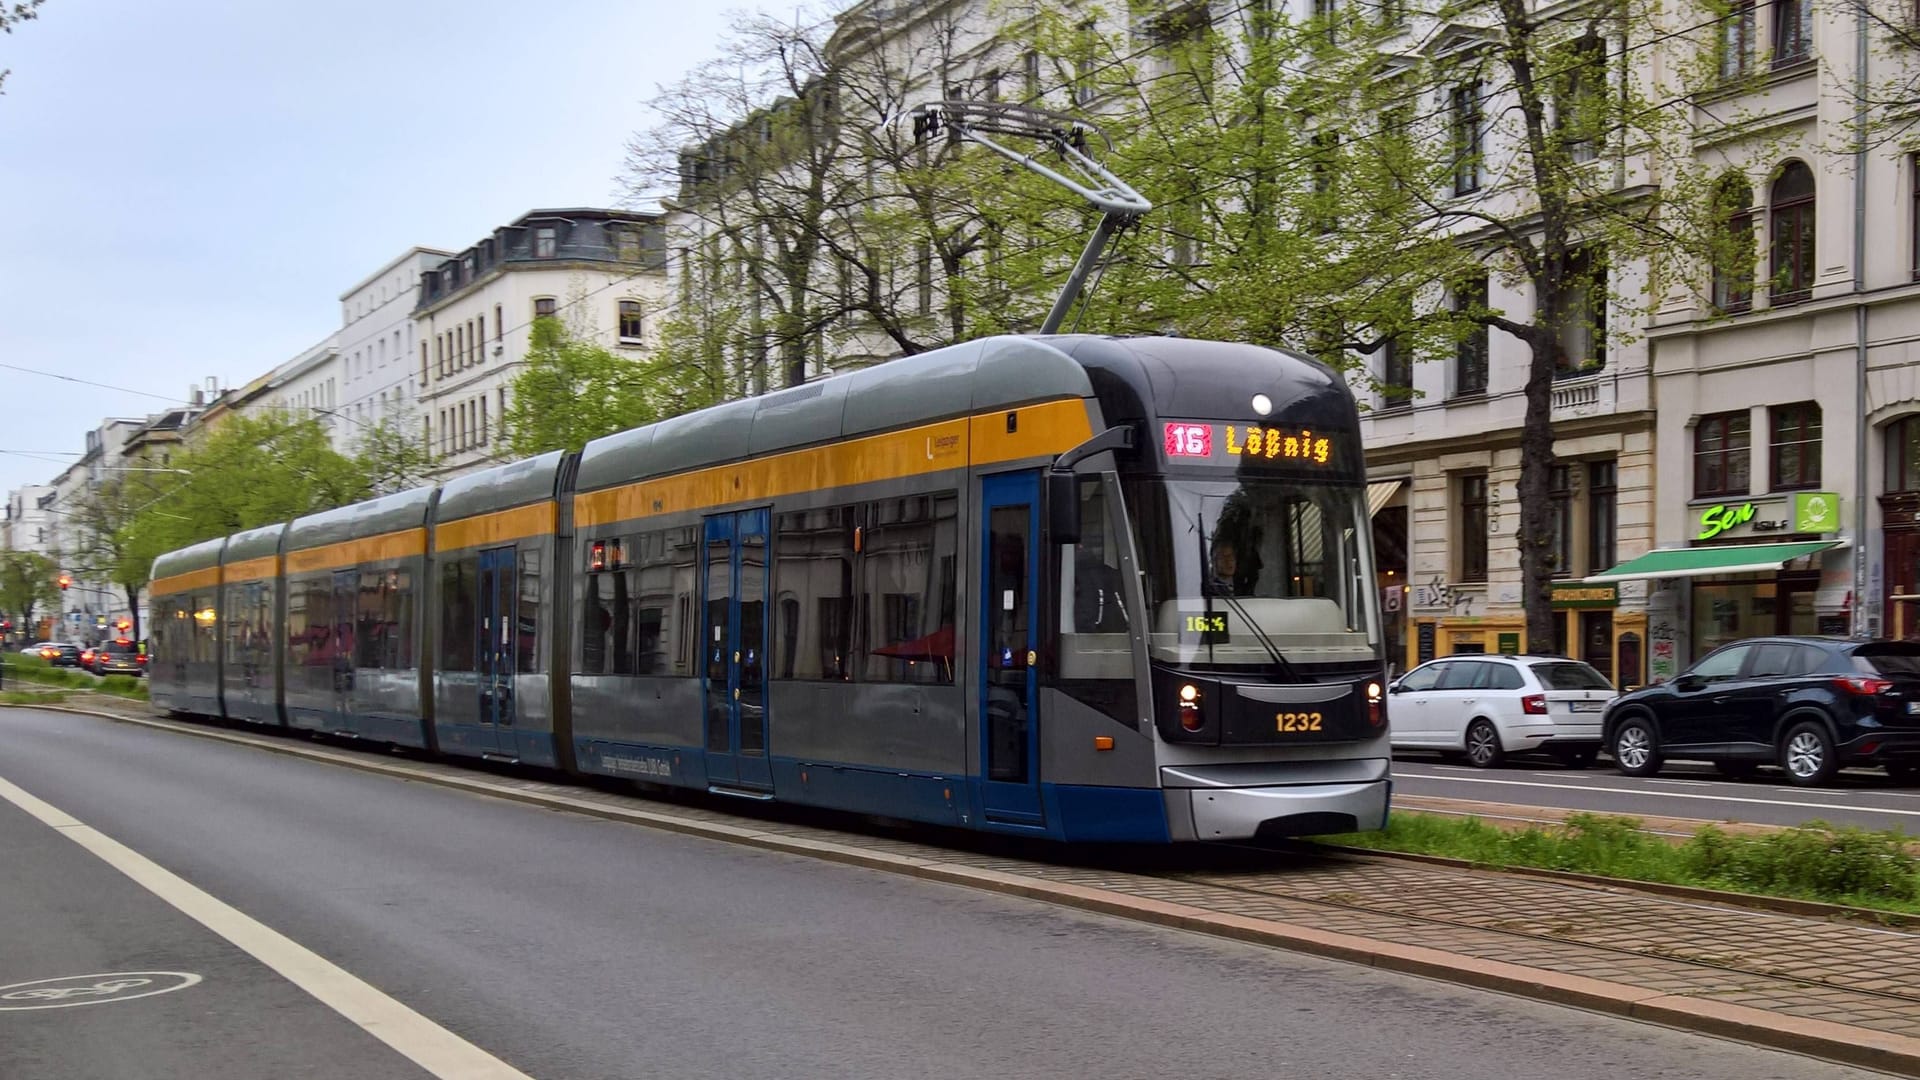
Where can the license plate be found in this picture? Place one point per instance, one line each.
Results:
(1588, 706)
(1913, 708)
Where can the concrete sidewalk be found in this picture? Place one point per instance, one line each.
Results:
(1840, 990)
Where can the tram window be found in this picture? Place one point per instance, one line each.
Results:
(398, 611)
(813, 570)
(526, 627)
(296, 623)
(459, 599)
(908, 567)
(1096, 650)
(206, 647)
(370, 630)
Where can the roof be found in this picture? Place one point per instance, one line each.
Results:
(411, 253)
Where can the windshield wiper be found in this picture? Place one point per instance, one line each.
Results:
(1206, 594)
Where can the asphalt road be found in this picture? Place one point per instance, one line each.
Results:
(1858, 797)
(576, 947)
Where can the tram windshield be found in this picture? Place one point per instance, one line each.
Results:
(1252, 572)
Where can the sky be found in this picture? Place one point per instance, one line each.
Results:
(190, 185)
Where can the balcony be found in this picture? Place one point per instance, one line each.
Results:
(1583, 395)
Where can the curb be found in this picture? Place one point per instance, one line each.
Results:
(1816, 1038)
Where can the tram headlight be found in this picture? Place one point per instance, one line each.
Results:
(1376, 705)
(1190, 715)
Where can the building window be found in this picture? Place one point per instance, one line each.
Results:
(1472, 498)
(626, 245)
(1735, 44)
(1733, 254)
(544, 307)
(1466, 139)
(1913, 173)
(483, 419)
(1903, 454)
(1792, 31)
(1396, 373)
(499, 323)
(1393, 13)
(1581, 116)
(1792, 272)
(1603, 515)
(1470, 355)
(923, 278)
(631, 325)
(1720, 460)
(1794, 446)
(1560, 510)
(545, 243)
(1583, 334)
(480, 341)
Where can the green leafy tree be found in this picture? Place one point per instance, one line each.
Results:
(11, 14)
(252, 470)
(390, 456)
(27, 581)
(117, 541)
(572, 391)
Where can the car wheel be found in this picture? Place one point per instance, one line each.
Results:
(1483, 745)
(1636, 747)
(1904, 774)
(1578, 759)
(1806, 753)
(1737, 770)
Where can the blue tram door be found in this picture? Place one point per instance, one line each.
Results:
(346, 606)
(1009, 643)
(494, 655)
(734, 643)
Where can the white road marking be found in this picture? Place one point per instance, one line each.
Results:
(108, 987)
(1680, 783)
(425, 1043)
(1684, 795)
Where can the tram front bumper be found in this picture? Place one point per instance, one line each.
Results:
(1287, 810)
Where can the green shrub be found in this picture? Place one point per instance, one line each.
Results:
(1814, 860)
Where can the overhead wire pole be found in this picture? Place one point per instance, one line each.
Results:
(1119, 204)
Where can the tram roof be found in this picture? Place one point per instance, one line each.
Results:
(357, 521)
(1150, 377)
(188, 559)
(975, 376)
(255, 543)
(502, 487)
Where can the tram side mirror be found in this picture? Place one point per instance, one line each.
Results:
(1063, 507)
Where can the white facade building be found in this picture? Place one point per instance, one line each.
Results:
(309, 385)
(29, 527)
(602, 273)
(378, 381)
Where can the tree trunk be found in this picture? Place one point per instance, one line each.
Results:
(1535, 534)
(133, 609)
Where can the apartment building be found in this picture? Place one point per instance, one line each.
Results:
(601, 273)
(378, 379)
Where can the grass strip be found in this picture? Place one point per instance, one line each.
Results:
(1831, 864)
(32, 669)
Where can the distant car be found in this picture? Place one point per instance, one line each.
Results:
(118, 657)
(1487, 707)
(60, 653)
(1810, 705)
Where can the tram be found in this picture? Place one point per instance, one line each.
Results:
(1088, 588)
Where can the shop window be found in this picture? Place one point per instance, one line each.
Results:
(1720, 455)
(1471, 497)
(1560, 504)
(1794, 447)
(1793, 234)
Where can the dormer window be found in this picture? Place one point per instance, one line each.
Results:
(545, 242)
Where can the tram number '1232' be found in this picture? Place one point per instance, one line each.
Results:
(1292, 722)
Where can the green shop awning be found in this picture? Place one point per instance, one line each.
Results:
(1698, 561)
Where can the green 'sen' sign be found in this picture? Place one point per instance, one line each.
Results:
(1816, 512)
(1715, 520)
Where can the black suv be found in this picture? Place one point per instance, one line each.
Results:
(1807, 704)
(119, 657)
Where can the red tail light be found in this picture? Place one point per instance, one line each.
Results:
(1862, 684)
(1534, 704)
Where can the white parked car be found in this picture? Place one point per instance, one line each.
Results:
(1487, 707)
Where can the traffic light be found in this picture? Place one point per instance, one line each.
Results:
(66, 582)
(123, 625)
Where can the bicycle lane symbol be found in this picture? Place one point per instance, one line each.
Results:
(98, 989)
